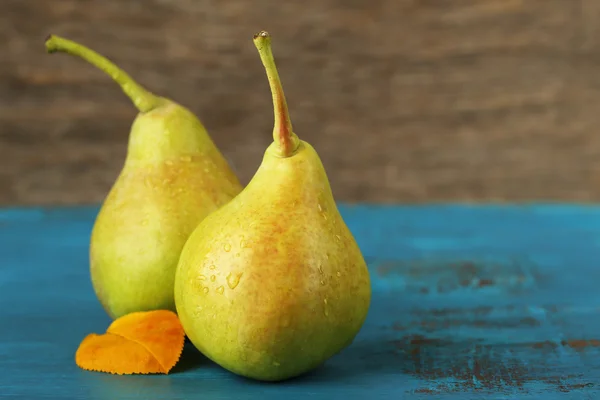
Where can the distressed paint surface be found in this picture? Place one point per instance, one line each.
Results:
(468, 302)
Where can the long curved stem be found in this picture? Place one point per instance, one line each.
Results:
(283, 133)
(141, 98)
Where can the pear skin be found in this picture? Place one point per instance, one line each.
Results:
(273, 284)
(172, 178)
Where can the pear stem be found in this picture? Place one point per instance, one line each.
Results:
(283, 134)
(143, 100)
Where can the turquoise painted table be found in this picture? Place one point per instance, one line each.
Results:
(468, 303)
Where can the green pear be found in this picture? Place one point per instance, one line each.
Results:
(172, 178)
(273, 284)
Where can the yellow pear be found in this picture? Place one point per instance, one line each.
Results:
(273, 284)
(173, 177)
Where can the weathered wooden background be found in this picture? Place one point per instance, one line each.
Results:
(406, 100)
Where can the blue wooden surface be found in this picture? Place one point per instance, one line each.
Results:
(468, 302)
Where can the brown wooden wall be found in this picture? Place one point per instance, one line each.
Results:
(405, 100)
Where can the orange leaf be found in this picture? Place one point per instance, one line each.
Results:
(138, 343)
(115, 355)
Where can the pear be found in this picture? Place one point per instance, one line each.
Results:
(273, 284)
(173, 177)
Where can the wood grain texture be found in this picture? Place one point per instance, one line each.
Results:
(468, 303)
(405, 100)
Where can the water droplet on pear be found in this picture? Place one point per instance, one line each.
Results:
(233, 279)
